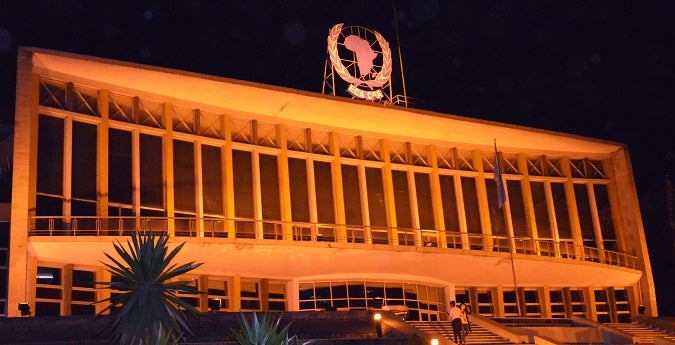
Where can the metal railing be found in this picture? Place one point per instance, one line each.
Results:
(315, 232)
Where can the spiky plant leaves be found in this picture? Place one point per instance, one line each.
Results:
(145, 299)
(262, 331)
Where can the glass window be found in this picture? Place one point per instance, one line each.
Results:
(352, 196)
(324, 192)
(243, 183)
(212, 180)
(541, 210)
(424, 204)
(297, 171)
(471, 205)
(83, 278)
(449, 199)
(561, 215)
(605, 216)
(496, 213)
(152, 178)
(84, 161)
(50, 155)
(585, 218)
(376, 197)
(119, 166)
(184, 175)
(517, 206)
(401, 198)
(269, 187)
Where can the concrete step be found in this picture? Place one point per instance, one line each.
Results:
(478, 335)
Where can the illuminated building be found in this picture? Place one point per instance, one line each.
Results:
(296, 200)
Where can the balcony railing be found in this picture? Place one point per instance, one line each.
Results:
(314, 232)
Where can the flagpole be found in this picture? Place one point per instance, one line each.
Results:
(501, 200)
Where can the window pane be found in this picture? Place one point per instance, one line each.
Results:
(541, 210)
(243, 184)
(269, 187)
(496, 213)
(119, 166)
(184, 175)
(83, 278)
(449, 199)
(401, 198)
(517, 206)
(48, 275)
(424, 205)
(585, 219)
(212, 180)
(375, 197)
(604, 212)
(471, 205)
(561, 216)
(297, 171)
(84, 161)
(324, 192)
(50, 155)
(352, 196)
(152, 180)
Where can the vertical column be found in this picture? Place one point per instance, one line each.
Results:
(235, 298)
(228, 175)
(528, 201)
(284, 184)
(199, 189)
(611, 301)
(589, 303)
(436, 199)
(203, 284)
(365, 210)
(24, 183)
(414, 209)
(338, 190)
(293, 295)
(498, 300)
(136, 176)
(572, 212)
(311, 195)
(67, 289)
(597, 229)
(388, 186)
(257, 197)
(567, 301)
(459, 200)
(484, 207)
(102, 158)
(168, 167)
(264, 294)
(102, 275)
(545, 301)
(550, 207)
(67, 171)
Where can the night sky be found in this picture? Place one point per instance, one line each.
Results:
(602, 69)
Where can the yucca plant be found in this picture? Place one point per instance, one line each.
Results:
(145, 308)
(264, 331)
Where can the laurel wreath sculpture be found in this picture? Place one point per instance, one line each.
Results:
(381, 78)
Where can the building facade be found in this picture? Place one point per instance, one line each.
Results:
(295, 200)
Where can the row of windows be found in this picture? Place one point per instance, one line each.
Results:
(611, 304)
(150, 113)
(137, 160)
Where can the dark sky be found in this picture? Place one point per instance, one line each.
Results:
(603, 69)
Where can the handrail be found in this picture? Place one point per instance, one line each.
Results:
(318, 232)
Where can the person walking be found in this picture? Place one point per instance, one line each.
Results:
(464, 316)
(455, 316)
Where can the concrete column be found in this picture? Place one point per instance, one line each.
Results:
(436, 201)
(102, 158)
(24, 182)
(483, 206)
(388, 186)
(293, 295)
(203, 285)
(199, 188)
(67, 289)
(257, 197)
(498, 300)
(338, 190)
(228, 176)
(284, 184)
(528, 202)
(235, 297)
(101, 275)
(167, 149)
(589, 302)
(572, 209)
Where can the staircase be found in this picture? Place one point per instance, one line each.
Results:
(642, 334)
(478, 335)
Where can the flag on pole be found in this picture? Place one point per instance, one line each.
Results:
(501, 193)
